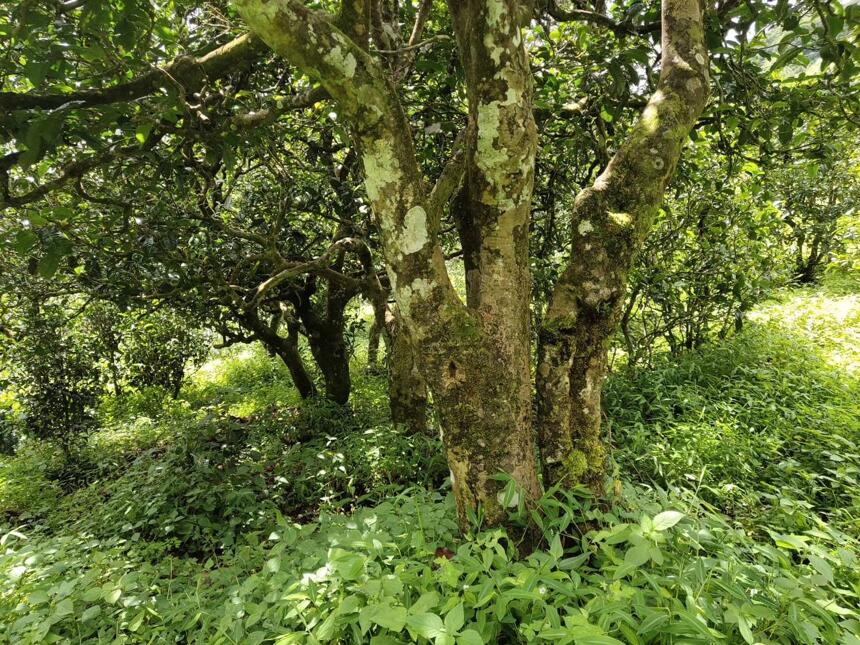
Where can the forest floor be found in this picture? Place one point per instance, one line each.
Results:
(237, 514)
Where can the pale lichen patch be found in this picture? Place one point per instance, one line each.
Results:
(346, 63)
(489, 158)
(495, 12)
(418, 288)
(380, 168)
(621, 219)
(585, 227)
(414, 235)
(514, 93)
(493, 49)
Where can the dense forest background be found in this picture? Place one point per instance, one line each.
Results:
(466, 322)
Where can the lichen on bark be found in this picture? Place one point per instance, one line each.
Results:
(611, 219)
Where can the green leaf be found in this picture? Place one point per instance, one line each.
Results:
(556, 634)
(822, 567)
(470, 637)
(64, 608)
(426, 625)
(35, 71)
(49, 264)
(37, 598)
(793, 542)
(785, 58)
(637, 555)
(349, 565)
(454, 619)
(384, 615)
(135, 624)
(141, 133)
(113, 595)
(596, 639)
(555, 549)
(666, 520)
(746, 632)
(24, 241)
(425, 601)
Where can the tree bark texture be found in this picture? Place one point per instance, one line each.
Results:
(474, 355)
(610, 221)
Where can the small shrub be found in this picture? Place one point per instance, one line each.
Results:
(159, 348)
(57, 380)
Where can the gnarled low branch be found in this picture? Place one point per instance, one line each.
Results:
(189, 71)
(583, 15)
(317, 265)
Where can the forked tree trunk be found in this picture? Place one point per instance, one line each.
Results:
(475, 355)
(325, 325)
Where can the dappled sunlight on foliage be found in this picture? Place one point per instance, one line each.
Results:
(734, 514)
(761, 424)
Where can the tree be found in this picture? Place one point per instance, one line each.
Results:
(474, 354)
(813, 196)
(57, 377)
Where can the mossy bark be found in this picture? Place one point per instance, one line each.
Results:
(475, 355)
(407, 390)
(610, 221)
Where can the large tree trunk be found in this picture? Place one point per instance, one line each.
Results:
(475, 355)
(331, 356)
(407, 391)
(610, 221)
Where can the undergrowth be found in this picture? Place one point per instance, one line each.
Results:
(239, 514)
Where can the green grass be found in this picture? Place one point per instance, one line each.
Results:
(239, 514)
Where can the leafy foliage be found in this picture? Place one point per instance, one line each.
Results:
(713, 255)
(157, 349)
(733, 521)
(57, 380)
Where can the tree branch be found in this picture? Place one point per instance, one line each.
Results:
(317, 265)
(582, 15)
(189, 71)
(450, 179)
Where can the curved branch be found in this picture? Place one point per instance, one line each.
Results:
(189, 71)
(601, 20)
(317, 265)
(74, 170)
